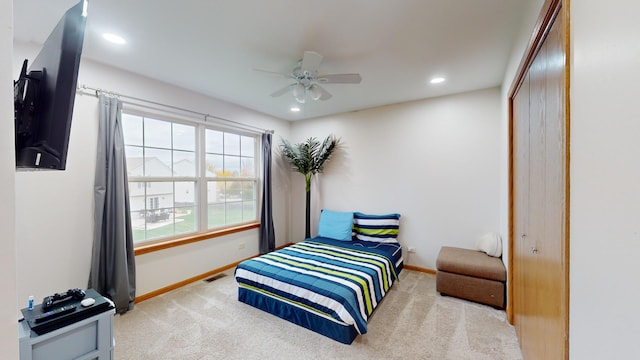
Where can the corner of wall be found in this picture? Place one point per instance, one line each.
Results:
(8, 301)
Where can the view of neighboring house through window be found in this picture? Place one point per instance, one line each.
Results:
(187, 178)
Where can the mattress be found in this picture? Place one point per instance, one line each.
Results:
(329, 286)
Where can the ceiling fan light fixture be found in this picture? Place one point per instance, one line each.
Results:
(314, 93)
(300, 99)
(299, 93)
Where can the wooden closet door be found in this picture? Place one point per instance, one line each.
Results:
(540, 269)
(534, 282)
(521, 202)
(551, 243)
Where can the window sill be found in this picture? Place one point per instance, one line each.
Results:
(167, 244)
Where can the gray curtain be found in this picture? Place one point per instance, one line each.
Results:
(113, 271)
(267, 235)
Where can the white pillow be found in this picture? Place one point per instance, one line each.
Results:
(490, 244)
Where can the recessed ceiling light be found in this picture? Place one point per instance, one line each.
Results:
(116, 39)
(295, 109)
(437, 80)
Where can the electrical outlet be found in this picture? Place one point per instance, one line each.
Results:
(240, 246)
(412, 249)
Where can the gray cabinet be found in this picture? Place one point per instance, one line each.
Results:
(90, 338)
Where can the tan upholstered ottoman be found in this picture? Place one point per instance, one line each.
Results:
(471, 275)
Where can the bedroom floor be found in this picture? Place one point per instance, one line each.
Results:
(205, 321)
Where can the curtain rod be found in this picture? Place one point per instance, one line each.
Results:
(204, 115)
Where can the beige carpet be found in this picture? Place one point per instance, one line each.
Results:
(206, 321)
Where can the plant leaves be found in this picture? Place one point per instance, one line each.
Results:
(310, 156)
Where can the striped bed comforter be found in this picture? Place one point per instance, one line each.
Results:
(341, 284)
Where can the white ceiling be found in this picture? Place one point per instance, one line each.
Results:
(213, 46)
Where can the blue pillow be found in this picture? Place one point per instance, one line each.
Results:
(335, 225)
(380, 228)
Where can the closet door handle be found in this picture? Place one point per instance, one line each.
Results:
(534, 250)
(523, 236)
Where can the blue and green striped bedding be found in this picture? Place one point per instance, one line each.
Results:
(339, 281)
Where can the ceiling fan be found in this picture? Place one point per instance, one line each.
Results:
(307, 80)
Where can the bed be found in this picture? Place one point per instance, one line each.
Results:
(326, 285)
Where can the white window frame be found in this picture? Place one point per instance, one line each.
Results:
(200, 179)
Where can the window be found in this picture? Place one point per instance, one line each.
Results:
(187, 178)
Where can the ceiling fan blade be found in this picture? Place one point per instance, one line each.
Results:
(283, 91)
(340, 79)
(311, 61)
(275, 73)
(319, 93)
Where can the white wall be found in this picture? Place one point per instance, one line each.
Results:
(436, 162)
(605, 180)
(8, 301)
(54, 210)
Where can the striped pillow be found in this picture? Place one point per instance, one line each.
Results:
(380, 228)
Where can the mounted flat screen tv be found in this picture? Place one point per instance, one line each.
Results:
(45, 93)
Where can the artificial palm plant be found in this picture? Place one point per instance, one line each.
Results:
(308, 158)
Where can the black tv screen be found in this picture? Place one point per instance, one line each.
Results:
(45, 93)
